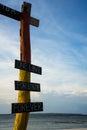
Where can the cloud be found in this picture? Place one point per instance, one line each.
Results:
(62, 61)
(64, 103)
(59, 51)
(9, 51)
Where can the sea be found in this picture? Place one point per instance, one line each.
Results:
(46, 121)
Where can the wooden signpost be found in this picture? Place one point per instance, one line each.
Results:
(16, 15)
(24, 106)
(28, 67)
(27, 86)
(27, 107)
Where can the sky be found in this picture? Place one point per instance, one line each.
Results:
(58, 45)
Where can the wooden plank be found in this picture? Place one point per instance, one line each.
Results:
(34, 22)
(28, 67)
(4, 10)
(27, 86)
(14, 14)
(27, 107)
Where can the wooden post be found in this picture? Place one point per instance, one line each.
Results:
(21, 119)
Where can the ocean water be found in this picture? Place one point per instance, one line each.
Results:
(47, 121)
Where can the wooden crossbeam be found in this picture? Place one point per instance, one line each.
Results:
(14, 14)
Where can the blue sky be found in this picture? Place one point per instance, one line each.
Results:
(59, 46)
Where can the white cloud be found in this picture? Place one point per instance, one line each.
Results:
(55, 49)
(9, 51)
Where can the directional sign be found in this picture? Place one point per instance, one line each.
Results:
(14, 14)
(28, 67)
(34, 21)
(27, 107)
(4, 10)
(20, 85)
